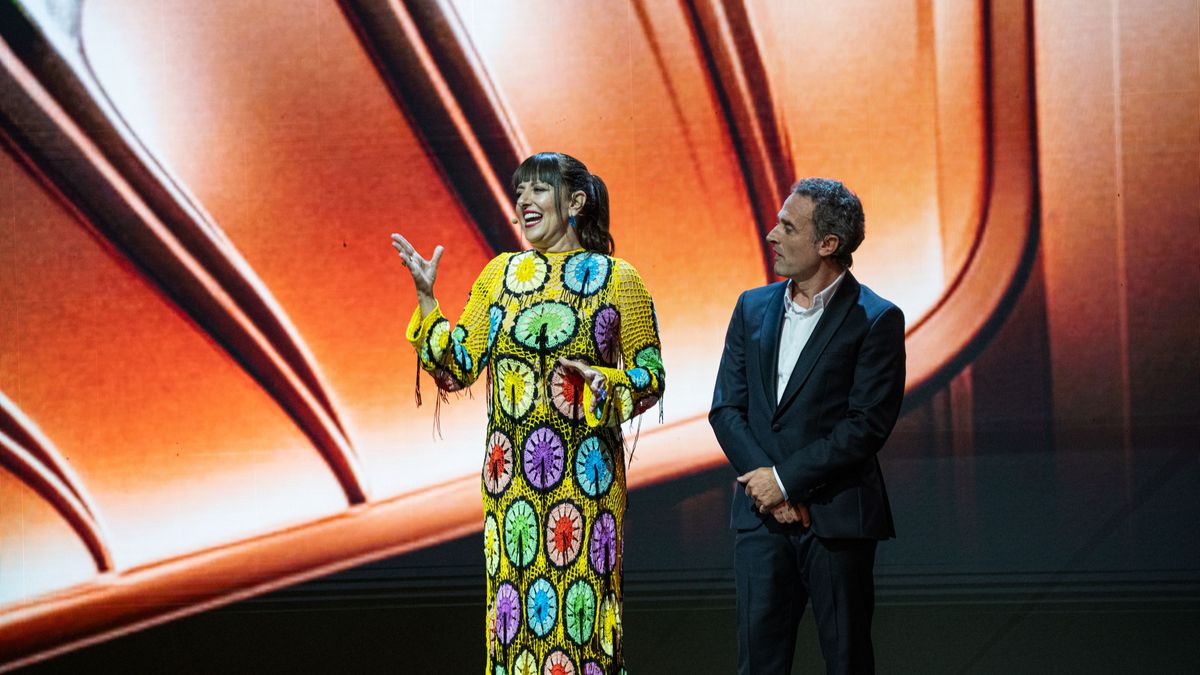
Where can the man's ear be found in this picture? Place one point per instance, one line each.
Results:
(829, 245)
(576, 201)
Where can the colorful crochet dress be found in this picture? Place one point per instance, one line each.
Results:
(554, 458)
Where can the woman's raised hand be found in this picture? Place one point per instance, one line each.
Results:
(424, 272)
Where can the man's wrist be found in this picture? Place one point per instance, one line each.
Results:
(783, 490)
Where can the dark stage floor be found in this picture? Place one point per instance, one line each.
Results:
(1028, 595)
(375, 635)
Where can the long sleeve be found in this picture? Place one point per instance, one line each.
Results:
(455, 356)
(731, 401)
(639, 383)
(873, 407)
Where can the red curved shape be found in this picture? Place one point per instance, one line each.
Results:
(660, 225)
(984, 289)
(34, 459)
(435, 76)
(726, 35)
(84, 150)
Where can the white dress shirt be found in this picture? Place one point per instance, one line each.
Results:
(798, 326)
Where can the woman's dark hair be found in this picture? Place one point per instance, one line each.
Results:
(564, 171)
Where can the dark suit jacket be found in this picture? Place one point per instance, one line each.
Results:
(837, 409)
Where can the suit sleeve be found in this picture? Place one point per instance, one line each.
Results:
(873, 406)
(640, 383)
(731, 401)
(455, 355)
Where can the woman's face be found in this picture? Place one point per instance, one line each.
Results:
(538, 215)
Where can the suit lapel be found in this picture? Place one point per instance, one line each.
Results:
(768, 347)
(831, 319)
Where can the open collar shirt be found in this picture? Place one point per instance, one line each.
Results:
(798, 326)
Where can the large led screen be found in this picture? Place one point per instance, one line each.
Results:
(205, 390)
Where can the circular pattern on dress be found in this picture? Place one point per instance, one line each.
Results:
(498, 463)
(649, 358)
(639, 377)
(566, 391)
(606, 329)
(516, 386)
(543, 458)
(564, 534)
(495, 320)
(545, 326)
(457, 342)
(541, 607)
(602, 546)
(579, 612)
(558, 663)
(526, 664)
(439, 337)
(491, 545)
(585, 273)
(520, 533)
(593, 467)
(526, 273)
(508, 612)
(463, 358)
(610, 624)
(624, 402)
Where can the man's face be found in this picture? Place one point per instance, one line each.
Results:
(797, 256)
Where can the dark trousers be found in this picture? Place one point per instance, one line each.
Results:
(778, 573)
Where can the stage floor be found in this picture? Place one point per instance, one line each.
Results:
(687, 637)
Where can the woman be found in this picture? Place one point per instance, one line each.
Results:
(568, 336)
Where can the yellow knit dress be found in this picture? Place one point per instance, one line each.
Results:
(554, 458)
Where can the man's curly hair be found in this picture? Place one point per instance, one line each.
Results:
(836, 211)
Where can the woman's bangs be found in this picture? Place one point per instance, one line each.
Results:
(542, 167)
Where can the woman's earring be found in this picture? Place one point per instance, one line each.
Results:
(571, 220)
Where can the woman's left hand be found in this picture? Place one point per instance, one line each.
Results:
(594, 378)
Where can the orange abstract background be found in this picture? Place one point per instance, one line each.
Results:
(205, 389)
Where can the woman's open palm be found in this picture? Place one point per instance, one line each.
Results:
(424, 272)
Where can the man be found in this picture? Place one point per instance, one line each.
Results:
(809, 388)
